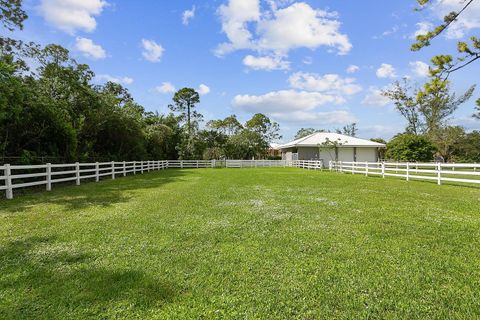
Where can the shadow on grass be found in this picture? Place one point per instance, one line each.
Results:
(103, 194)
(41, 278)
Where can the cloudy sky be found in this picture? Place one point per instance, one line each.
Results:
(310, 63)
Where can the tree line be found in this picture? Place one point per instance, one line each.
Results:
(51, 109)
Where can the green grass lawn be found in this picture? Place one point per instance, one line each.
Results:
(242, 244)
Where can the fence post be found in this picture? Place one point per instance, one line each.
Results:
(97, 172)
(181, 164)
(124, 169)
(134, 167)
(49, 177)
(113, 170)
(408, 171)
(8, 182)
(366, 168)
(77, 173)
(141, 167)
(439, 173)
(383, 169)
(353, 167)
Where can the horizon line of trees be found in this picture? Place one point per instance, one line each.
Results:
(51, 109)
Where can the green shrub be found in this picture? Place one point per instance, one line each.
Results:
(410, 147)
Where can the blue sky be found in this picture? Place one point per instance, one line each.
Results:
(305, 63)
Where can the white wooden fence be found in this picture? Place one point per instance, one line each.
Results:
(308, 164)
(439, 172)
(305, 164)
(185, 164)
(49, 174)
(23, 176)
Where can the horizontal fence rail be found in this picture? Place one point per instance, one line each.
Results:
(439, 172)
(305, 164)
(23, 176)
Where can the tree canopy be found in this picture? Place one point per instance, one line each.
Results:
(410, 147)
(426, 109)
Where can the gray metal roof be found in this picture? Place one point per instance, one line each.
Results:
(319, 138)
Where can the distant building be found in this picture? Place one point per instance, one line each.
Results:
(273, 151)
(328, 146)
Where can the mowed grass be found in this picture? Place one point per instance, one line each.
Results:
(242, 244)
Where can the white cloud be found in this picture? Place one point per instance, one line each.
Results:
(203, 89)
(279, 30)
(284, 101)
(387, 33)
(375, 97)
(152, 51)
(299, 25)
(423, 27)
(188, 15)
(266, 63)
(386, 71)
(235, 17)
(332, 84)
(119, 80)
(72, 15)
(391, 31)
(308, 60)
(89, 49)
(469, 123)
(294, 106)
(353, 68)
(166, 87)
(468, 20)
(320, 118)
(420, 69)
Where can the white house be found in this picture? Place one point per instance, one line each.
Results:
(328, 146)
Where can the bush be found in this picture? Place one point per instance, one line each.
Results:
(410, 147)
(274, 158)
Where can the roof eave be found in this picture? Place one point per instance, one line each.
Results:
(317, 146)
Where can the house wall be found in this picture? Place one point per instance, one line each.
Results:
(367, 154)
(347, 154)
(327, 155)
(287, 154)
(308, 153)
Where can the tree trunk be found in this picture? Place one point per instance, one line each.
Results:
(189, 128)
